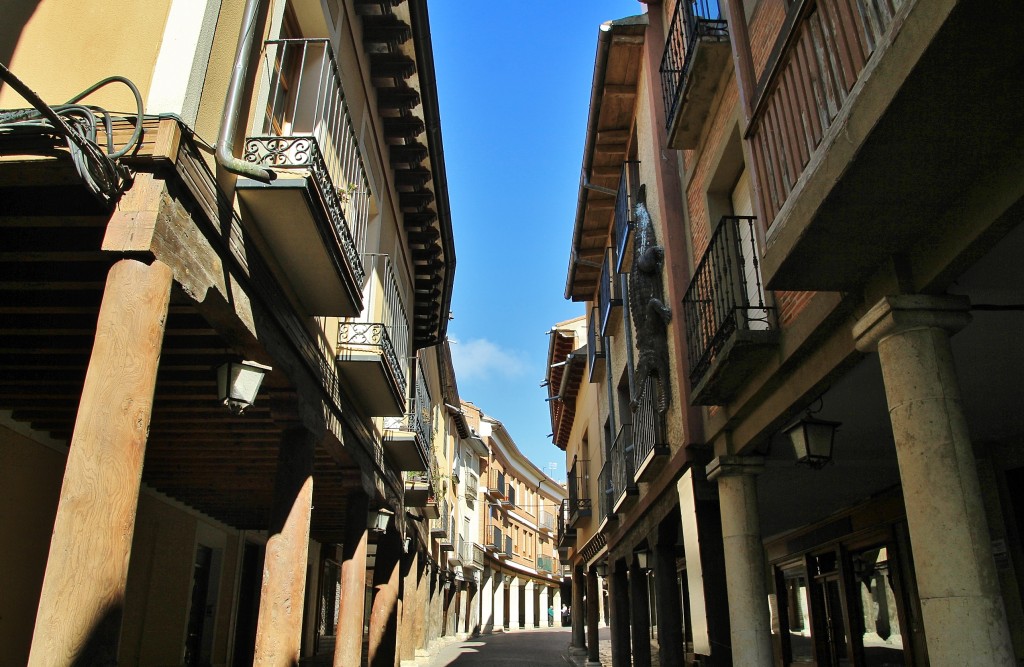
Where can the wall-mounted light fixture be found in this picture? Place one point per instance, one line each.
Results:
(377, 520)
(601, 569)
(643, 560)
(238, 382)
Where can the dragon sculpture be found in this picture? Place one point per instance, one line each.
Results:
(647, 308)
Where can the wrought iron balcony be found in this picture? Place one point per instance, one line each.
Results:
(496, 485)
(609, 294)
(407, 439)
(472, 488)
(439, 527)
(621, 456)
(566, 531)
(546, 564)
(729, 325)
(497, 543)
(625, 198)
(313, 216)
(595, 347)
(579, 500)
(508, 546)
(606, 495)
(419, 489)
(473, 556)
(696, 52)
(650, 442)
(547, 522)
(373, 349)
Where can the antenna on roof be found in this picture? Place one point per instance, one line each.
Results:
(551, 467)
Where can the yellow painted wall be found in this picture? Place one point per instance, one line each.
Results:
(30, 480)
(61, 47)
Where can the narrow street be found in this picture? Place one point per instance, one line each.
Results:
(530, 648)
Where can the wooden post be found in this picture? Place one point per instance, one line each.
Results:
(410, 608)
(383, 637)
(593, 611)
(640, 613)
(618, 600)
(349, 647)
(669, 604)
(78, 621)
(579, 642)
(279, 626)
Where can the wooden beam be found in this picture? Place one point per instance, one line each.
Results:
(79, 615)
(619, 90)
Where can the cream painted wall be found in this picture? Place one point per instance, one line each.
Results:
(30, 480)
(84, 42)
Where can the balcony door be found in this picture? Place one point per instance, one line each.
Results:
(746, 242)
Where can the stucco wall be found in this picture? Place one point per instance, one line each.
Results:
(30, 480)
(85, 42)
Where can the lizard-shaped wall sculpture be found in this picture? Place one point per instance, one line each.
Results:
(647, 308)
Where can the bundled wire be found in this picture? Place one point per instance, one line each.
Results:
(76, 124)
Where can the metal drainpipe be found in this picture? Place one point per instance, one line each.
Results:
(229, 120)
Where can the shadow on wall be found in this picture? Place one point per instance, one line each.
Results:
(16, 14)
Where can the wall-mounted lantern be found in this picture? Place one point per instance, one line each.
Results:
(238, 382)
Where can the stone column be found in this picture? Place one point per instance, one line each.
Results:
(602, 614)
(279, 624)
(383, 636)
(487, 601)
(545, 605)
(667, 600)
(556, 604)
(640, 614)
(463, 609)
(349, 647)
(530, 608)
(618, 600)
(964, 618)
(744, 558)
(513, 603)
(409, 606)
(593, 616)
(579, 584)
(79, 615)
(499, 600)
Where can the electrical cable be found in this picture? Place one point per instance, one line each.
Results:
(77, 125)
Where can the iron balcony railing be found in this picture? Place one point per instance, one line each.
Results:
(609, 291)
(307, 125)
(625, 199)
(621, 457)
(547, 521)
(595, 345)
(648, 426)
(605, 493)
(725, 294)
(578, 482)
(545, 564)
(471, 486)
(566, 531)
(441, 526)
(496, 486)
(417, 419)
(384, 324)
(508, 546)
(497, 539)
(476, 556)
(691, 20)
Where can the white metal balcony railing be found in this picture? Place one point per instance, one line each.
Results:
(307, 125)
(547, 521)
(417, 419)
(472, 486)
(384, 324)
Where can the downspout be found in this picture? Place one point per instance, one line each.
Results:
(229, 120)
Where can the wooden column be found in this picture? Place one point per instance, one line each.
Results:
(409, 606)
(668, 601)
(422, 600)
(79, 616)
(579, 583)
(279, 625)
(618, 600)
(349, 647)
(640, 613)
(593, 617)
(383, 636)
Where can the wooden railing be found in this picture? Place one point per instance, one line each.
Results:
(821, 54)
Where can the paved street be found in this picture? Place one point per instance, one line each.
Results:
(528, 648)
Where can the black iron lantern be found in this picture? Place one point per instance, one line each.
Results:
(813, 440)
(238, 382)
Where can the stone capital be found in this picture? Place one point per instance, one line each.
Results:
(723, 466)
(905, 312)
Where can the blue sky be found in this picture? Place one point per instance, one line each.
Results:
(513, 84)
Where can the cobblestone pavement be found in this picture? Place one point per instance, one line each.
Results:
(545, 647)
